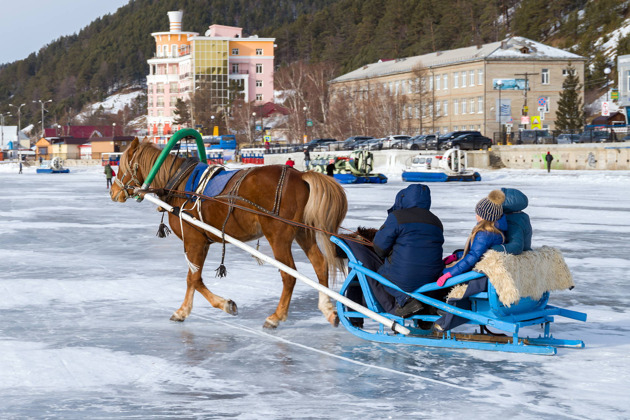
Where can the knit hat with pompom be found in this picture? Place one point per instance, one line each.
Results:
(491, 207)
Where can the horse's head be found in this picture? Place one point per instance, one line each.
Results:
(129, 176)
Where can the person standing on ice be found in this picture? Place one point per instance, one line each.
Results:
(20, 167)
(109, 173)
(549, 159)
(491, 223)
(410, 241)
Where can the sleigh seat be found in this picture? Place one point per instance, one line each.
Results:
(517, 296)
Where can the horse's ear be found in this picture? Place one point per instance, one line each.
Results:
(134, 143)
(146, 140)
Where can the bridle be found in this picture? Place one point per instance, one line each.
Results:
(133, 183)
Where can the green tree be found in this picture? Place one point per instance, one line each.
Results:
(182, 112)
(570, 113)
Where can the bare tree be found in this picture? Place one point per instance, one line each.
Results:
(242, 120)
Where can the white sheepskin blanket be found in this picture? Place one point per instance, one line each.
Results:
(529, 274)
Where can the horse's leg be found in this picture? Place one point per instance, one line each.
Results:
(196, 247)
(315, 256)
(282, 252)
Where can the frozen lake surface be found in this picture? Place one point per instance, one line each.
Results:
(87, 292)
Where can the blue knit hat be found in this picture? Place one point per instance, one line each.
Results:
(491, 207)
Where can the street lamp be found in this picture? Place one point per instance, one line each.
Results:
(19, 112)
(254, 128)
(305, 109)
(42, 104)
(607, 71)
(113, 130)
(212, 123)
(500, 112)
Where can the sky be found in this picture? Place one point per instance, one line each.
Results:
(28, 25)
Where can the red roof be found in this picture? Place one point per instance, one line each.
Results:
(270, 108)
(80, 131)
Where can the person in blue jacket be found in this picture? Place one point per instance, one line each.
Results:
(410, 242)
(519, 229)
(491, 223)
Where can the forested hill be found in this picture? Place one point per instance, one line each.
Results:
(111, 52)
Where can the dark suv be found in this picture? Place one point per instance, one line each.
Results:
(436, 144)
(351, 142)
(468, 142)
(317, 143)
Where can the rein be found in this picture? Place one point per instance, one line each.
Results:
(261, 211)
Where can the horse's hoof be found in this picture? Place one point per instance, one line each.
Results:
(270, 325)
(333, 319)
(231, 308)
(177, 318)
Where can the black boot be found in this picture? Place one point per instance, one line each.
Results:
(410, 307)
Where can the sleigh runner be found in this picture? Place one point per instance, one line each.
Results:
(488, 309)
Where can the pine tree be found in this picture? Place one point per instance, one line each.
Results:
(570, 113)
(182, 113)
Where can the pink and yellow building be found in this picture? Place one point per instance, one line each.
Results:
(186, 61)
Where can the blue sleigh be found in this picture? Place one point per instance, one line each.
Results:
(486, 310)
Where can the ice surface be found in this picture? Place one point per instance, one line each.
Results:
(87, 291)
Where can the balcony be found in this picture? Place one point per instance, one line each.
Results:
(239, 71)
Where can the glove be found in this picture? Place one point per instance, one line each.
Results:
(443, 278)
(451, 258)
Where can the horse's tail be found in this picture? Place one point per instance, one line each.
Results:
(325, 210)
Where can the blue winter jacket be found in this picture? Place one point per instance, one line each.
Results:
(482, 242)
(519, 229)
(411, 240)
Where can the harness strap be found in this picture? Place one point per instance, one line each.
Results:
(182, 173)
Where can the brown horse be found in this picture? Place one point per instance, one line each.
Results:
(305, 197)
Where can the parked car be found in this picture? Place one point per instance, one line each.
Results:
(435, 143)
(317, 143)
(468, 142)
(535, 137)
(372, 144)
(351, 142)
(568, 138)
(419, 142)
(593, 136)
(394, 142)
(626, 138)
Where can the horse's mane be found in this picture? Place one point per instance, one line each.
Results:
(146, 156)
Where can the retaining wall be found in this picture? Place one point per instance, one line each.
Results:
(606, 156)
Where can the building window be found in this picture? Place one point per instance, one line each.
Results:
(160, 101)
(479, 104)
(235, 68)
(445, 84)
(234, 51)
(463, 79)
(164, 50)
(174, 50)
(259, 51)
(259, 68)
(463, 106)
(417, 84)
(438, 79)
(172, 87)
(471, 75)
(472, 105)
(544, 76)
(431, 83)
(456, 106)
(173, 100)
(417, 111)
(438, 109)
(480, 77)
(259, 97)
(445, 106)
(160, 88)
(456, 79)
(258, 83)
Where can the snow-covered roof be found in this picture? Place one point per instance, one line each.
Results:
(514, 48)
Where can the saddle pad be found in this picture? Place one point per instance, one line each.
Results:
(208, 180)
(529, 274)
